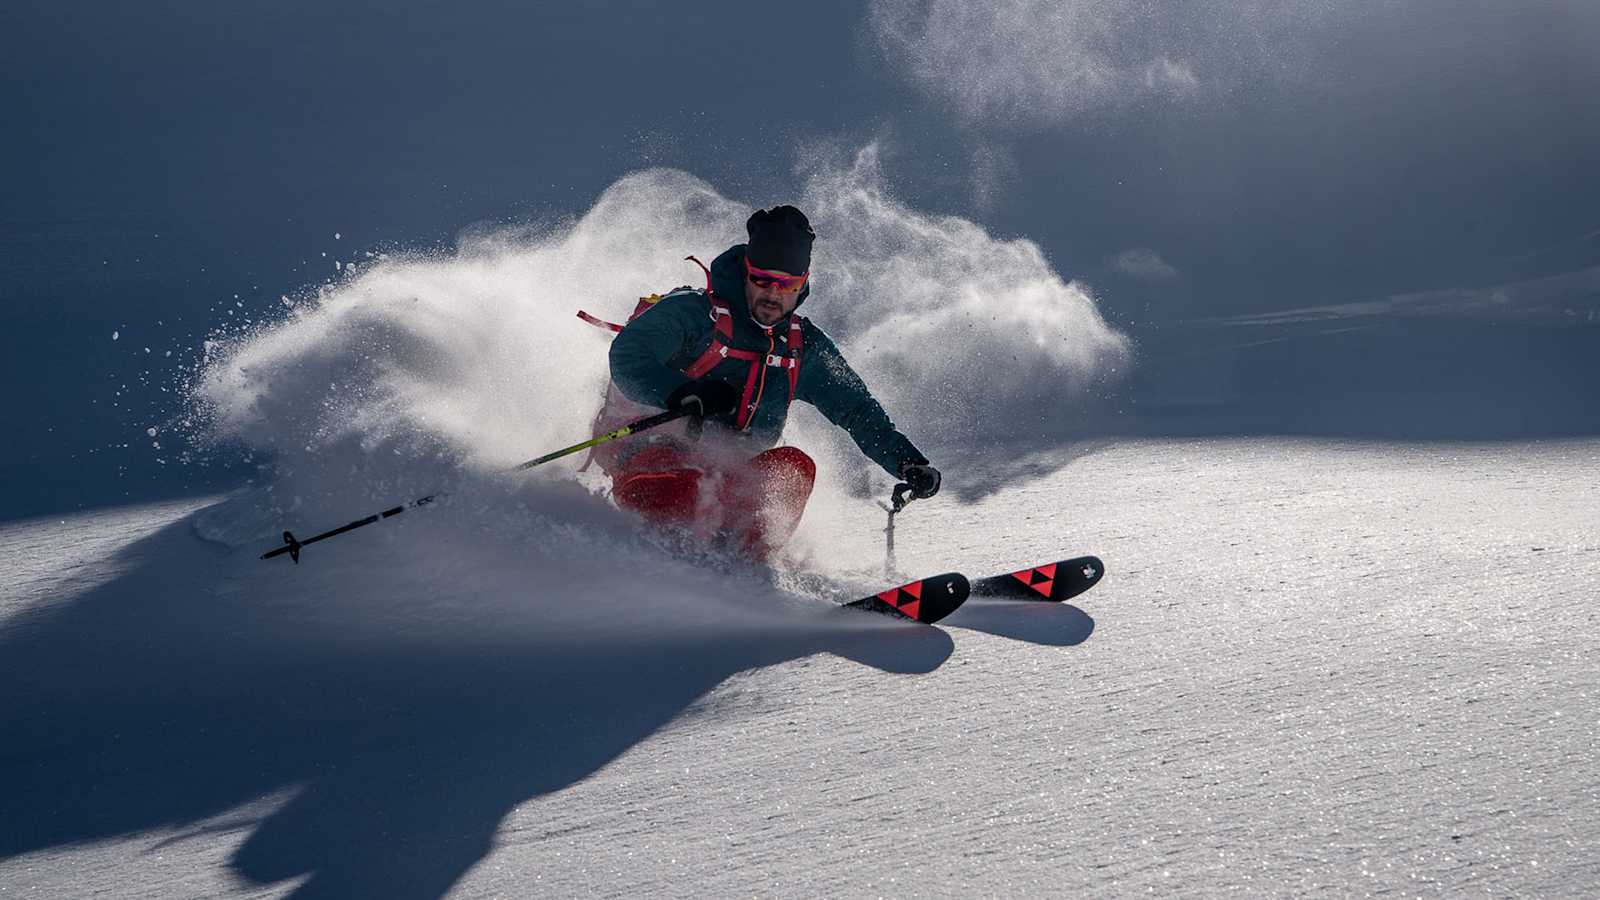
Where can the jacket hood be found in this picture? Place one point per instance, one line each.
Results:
(727, 282)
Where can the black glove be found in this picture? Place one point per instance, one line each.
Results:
(923, 478)
(705, 397)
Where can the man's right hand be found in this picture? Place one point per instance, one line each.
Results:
(705, 397)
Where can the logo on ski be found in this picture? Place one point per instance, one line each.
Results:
(1042, 579)
(906, 598)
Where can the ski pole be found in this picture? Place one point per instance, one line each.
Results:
(630, 428)
(901, 498)
(293, 546)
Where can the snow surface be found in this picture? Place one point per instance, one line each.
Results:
(1312, 667)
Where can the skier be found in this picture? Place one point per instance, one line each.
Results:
(735, 356)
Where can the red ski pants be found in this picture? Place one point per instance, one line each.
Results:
(754, 506)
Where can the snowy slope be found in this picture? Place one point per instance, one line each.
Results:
(1313, 666)
(1360, 668)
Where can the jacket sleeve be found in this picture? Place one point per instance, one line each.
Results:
(642, 352)
(828, 383)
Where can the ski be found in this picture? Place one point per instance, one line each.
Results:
(1054, 582)
(931, 599)
(927, 601)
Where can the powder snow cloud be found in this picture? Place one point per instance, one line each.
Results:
(476, 354)
(1035, 63)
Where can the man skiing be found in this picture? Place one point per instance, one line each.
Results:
(734, 356)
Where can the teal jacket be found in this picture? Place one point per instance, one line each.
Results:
(649, 355)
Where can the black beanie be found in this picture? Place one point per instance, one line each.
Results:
(780, 238)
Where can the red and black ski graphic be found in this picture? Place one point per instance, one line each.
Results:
(1054, 582)
(928, 600)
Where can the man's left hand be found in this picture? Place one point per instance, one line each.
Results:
(923, 478)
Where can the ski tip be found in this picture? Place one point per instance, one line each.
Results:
(926, 601)
(1054, 582)
(941, 596)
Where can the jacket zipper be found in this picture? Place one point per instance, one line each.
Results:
(761, 384)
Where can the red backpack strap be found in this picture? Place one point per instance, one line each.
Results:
(599, 322)
(722, 321)
(796, 350)
(704, 269)
(719, 350)
(790, 360)
(749, 398)
(639, 309)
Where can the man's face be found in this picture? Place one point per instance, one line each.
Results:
(770, 302)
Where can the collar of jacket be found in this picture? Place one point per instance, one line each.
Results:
(727, 282)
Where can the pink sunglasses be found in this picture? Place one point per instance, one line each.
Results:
(763, 278)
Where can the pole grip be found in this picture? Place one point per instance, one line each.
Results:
(901, 497)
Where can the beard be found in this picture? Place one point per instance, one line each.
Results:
(767, 312)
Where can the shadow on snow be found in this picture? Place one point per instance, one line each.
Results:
(196, 682)
(1049, 624)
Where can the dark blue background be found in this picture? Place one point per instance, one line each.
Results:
(164, 157)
